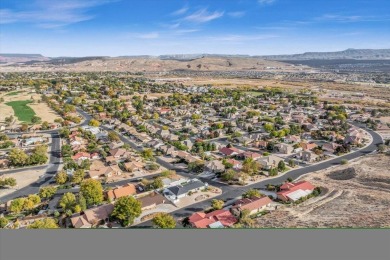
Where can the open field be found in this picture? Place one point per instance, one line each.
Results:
(356, 195)
(22, 111)
(23, 179)
(42, 110)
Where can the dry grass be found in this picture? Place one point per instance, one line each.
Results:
(357, 195)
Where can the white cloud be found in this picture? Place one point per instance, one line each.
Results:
(52, 13)
(203, 16)
(266, 2)
(180, 11)
(236, 14)
(151, 35)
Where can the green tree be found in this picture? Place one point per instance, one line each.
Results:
(147, 154)
(250, 166)
(113, 137)
(82, 202)
(126, 209)
(47, 223)
(78, 176)
(7, 182)
(281, 166)
(18, 157)
(67, 201)
(35, 119)
(92, 191)
(94, 123)
(61, 177)
(47, 192)
(17, 205)
(164, 220)
(3, 222)
(291, 163)
(251, 193)
(228, 175)
(217, 204)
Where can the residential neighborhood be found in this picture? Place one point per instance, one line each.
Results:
(163, 148)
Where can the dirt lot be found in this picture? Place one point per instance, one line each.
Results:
(41, 109)
(23, 179)
(355, 195)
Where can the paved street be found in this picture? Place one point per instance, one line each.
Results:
(231, 193)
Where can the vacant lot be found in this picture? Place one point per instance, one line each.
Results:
(356, 195)
(23, 179)
(22, 111)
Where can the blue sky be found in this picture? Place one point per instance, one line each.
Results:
(154, 27)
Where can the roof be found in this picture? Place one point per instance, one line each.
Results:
(127, 190)
(229, 151)
(183, 189)
(252, 203)
(202, 220)
(98, 213)
(288, 188)
(153, 198)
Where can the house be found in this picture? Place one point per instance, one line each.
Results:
(353, 137)
(291, 139)
(177, 192)
(106, 171)
(307, 156)
(92, 217)
(269, 162)
(115, 145)
(126, 190)
(248, 154)
(214, 166)
(81, 156)
(295, 191)
(308, 146)
(4, 163)
(118, 152)
(151, 201)
(216, 219)
(254, 205)
(237, 165)
(134, 166)
(330, 147)
(229, 151)
(188, 143)
(284, 148)
(260, 144)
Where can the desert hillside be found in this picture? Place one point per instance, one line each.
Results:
(154, 65)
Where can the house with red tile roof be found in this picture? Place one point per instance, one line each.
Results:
(294, 191)
(230, 151)
(81, 156)
(218, 218)
(127, 190)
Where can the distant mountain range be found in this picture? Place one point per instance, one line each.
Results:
(355, 54)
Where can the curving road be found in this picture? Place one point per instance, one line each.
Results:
(51, 168)
(230, 193)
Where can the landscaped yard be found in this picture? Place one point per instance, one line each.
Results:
(22, 111)
(14, 93)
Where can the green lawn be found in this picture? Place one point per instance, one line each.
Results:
(254, 93)
(23, 112)
(14, 93)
